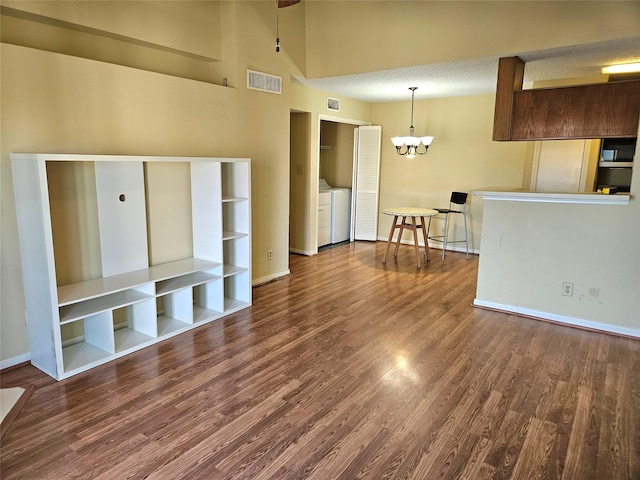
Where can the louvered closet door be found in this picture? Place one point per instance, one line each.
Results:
(367, 182)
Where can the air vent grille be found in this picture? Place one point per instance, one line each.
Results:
(333, 104)
(264, 82)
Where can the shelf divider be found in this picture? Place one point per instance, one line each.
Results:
(178, 283)
(76, 292)
(87, 308)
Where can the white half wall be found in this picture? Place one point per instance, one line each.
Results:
(529, 249)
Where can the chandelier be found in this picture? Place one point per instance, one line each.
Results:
(410, 143)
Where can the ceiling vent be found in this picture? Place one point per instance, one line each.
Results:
(333, 104)
(264, 82)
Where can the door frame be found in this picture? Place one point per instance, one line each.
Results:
(314, 181)
(588, 167)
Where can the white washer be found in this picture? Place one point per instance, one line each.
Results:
(324, 218)
(340, 211)
(340, 214)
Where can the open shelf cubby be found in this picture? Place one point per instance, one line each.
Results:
(92, 228)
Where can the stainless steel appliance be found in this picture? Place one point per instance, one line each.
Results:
(616, 164)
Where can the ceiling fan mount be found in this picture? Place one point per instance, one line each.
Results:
(282, 4)
(286, 3)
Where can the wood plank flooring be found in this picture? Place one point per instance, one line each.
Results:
(346, 369)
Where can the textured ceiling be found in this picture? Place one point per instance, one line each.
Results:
(478, 76)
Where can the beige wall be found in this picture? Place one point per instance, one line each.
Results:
(336, 153)
(183, 39)
(299, 227)
(120, 104)
(154, 87)
(407, 33)
(328, 154)
(352, 112)
(462, 157)
(343, 176)
(57, 103)
(199, 23)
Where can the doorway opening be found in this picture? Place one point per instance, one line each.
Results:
(335, 179)
(335, 183)
(300, 188)
(322, 148)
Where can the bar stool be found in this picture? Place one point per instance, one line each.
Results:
(457, 205)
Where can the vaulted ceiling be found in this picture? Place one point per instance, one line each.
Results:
(376, 50)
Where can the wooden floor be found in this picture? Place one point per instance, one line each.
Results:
(346, 369)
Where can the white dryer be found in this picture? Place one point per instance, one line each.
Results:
(340, 211)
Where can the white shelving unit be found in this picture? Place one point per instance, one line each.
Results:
(117, 312)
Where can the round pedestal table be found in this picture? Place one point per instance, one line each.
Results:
(400, 222)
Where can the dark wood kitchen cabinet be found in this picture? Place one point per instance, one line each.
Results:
(602, 110)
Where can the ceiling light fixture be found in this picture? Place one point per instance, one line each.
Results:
(411, 143)
(281, 4)
(622, 68)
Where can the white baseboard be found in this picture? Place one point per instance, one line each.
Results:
(563, 319)
(435, 246)
(10, 362)
(308, 253)
(268, 278)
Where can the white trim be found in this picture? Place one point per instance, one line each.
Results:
(315, 179)
(308, 253)
(268, 278)
(535, 170)
(438, 246)
(18, 359)
(334, 118)
(335, 100)
(434, 246)
(542, 197)
(269, 81)
(536, 165)
(563, 319)
(72, 341)
(75, 157)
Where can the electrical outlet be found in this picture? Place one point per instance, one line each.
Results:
(269, 254)
(567, 289)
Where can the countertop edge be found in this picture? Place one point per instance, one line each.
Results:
(545, 197)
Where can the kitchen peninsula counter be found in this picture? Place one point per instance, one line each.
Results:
(571, 258)
(521, 195)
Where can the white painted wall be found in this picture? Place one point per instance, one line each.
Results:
(530, 249)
